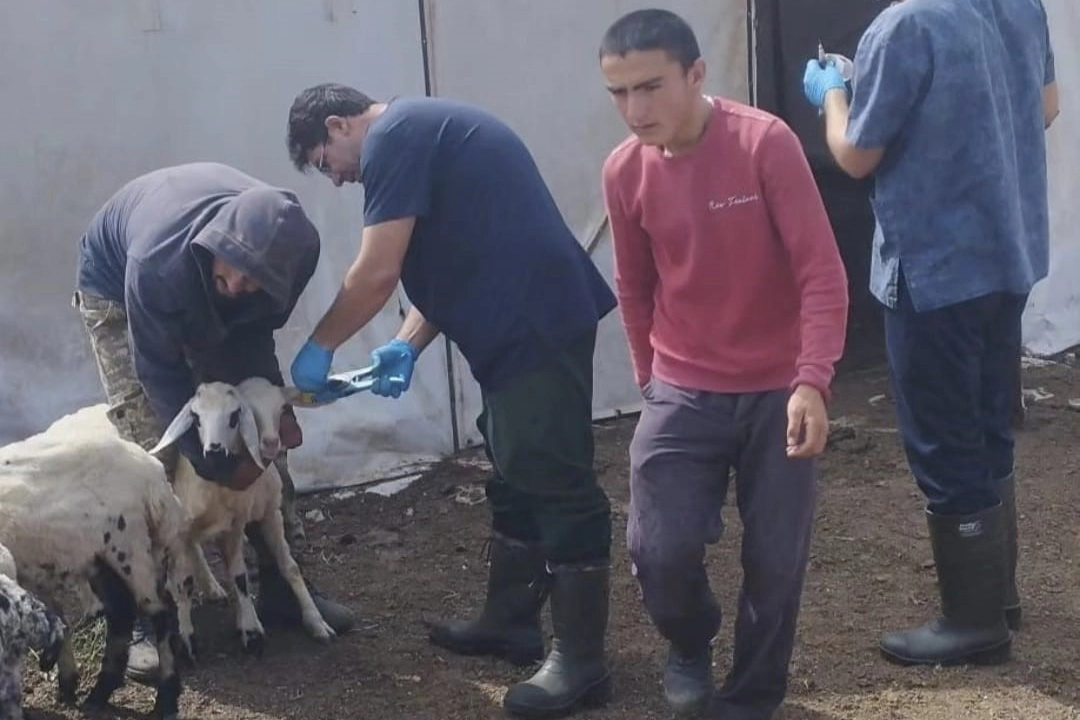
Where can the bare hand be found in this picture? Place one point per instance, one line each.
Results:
(808, 423)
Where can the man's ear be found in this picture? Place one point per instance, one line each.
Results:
(335, 124)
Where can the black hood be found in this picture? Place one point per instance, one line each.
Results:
(264, 233)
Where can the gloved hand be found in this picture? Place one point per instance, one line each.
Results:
(393, 368)
(817, 81)
(310, 368)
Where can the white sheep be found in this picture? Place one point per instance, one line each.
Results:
(230, 419)
(94, 529)
(25, 624)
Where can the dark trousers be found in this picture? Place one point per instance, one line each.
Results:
(539, 437)
(683, 450)
(954, 374)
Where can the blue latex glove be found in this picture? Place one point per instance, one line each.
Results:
(310, 368)
(817, 81)
(393, 368)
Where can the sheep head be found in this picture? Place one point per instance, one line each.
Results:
(223, 418)
(267, 402)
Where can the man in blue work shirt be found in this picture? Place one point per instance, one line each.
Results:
(949, 108)
(184, 275)
(455, 207)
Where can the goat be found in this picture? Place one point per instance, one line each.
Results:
(25, 624)
(94, 529)
(230, 419)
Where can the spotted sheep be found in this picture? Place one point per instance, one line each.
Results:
(95, 531)
(219, 513)
(25, 624)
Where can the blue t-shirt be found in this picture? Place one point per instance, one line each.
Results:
(953, 90)
(492, 263)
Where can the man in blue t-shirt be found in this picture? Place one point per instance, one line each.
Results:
(455, 207)
(949, 108)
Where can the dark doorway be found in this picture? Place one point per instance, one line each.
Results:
(787, 33)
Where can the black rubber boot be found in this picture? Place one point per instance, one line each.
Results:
(1007, 491)
(688, 681)
(509, 624)
(142, 665)
(969, 552)
(575, 674)
(276, 604)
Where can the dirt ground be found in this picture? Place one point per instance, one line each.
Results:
(416, 555)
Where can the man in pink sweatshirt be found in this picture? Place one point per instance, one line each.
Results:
(735, 302)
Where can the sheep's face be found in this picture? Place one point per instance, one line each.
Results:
(267, 402)
(216, 410)
(222, 418)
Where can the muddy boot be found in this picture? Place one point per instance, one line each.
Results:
(142, 664)
(688, 681)
(277, 605)
(575, 673)
(509, 624)
(1007, 492)
(969, 552)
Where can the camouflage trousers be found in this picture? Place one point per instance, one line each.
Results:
(129, 408)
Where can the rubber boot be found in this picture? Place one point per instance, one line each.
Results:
(1007, 491)
(509, 624)
(142, 666)
(688, 681)
(969, 552)
(276, 604)
(575, 674)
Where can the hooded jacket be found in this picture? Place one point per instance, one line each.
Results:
(151, 248)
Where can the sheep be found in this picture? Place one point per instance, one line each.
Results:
(25, 624)
(95, 530)
(230, 419)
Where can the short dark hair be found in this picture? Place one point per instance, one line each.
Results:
(307, 116)
(652, 29)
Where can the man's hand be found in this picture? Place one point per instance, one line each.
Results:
(393, 364)
(808, 423)
(311, 366)
(818, 81)
(290, 433)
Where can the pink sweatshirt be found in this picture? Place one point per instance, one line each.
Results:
(726, 268)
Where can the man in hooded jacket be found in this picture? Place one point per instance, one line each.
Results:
(184, 275)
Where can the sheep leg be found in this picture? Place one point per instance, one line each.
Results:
(252, 635)
(167, 702)
(204, 577)
(272, 528)
(120, 609)
(67, 671)
(11, 695)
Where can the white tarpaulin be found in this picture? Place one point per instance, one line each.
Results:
(98, 92)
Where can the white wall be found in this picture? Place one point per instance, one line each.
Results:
(97, 92)
(1052, 319)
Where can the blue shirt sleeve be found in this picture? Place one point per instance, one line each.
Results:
(396, 171)
(1051, 69)
(892, 67)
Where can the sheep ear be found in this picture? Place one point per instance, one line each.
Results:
(249, 432)
(293, 395)
(177, 427)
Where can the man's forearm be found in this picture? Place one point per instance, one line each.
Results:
(836, 122)
(856, 162)
(362, 295)
(417, 331)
